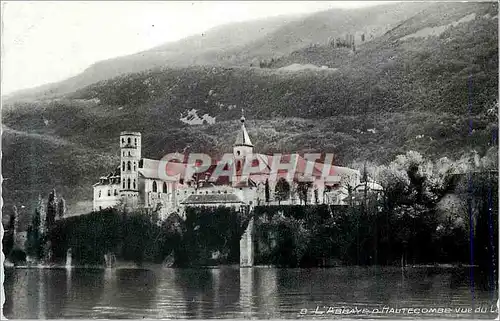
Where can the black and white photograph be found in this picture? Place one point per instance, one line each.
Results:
(249, 160)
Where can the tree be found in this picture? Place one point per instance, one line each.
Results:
(13, 221)
(51, 209)
(282, 190)
(267, 191)
(35, 232)
(303, 190)
(61, 207)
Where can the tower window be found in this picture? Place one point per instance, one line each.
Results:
(123, 184)
(134, 166)
(116, 192)
(109, 192)
(155, 187)
(238, 153)
(123, 140)
(164, 187)
(99, 194)
(134, 183)
(128, 140)
(129, 153)
(135, 141)
(123, 166)
(129, 165)
(128, 183)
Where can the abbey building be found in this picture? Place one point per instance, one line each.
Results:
(138, 183)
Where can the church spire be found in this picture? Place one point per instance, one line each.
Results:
(242, 138)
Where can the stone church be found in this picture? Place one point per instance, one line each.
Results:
(137, 184)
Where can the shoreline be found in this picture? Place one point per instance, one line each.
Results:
(132, 266)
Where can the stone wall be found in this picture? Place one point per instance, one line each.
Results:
(246, 246)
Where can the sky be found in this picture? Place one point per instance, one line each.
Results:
(48, 41)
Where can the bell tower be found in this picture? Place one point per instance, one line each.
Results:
(130, 155)
(242, 148)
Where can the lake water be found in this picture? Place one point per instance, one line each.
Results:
(231, 292)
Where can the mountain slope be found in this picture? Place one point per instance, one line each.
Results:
(239, 44)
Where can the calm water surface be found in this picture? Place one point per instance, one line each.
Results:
(230, 292)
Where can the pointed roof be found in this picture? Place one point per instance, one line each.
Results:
(242, 138)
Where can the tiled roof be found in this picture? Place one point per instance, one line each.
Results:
(151, 168)
(110, 178)
(211, 199)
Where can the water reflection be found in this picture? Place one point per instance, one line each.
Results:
(228, 292)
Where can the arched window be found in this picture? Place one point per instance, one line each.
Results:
(135, 141)
(155, 188)
(124, 184)
(109, 192)
(123, 166)
(128, 183)
(164, 187)
(116, 192)
(134, 183)
(129, 165)
(123, 140)
(128, 153)
(128, 140)
(134, 166)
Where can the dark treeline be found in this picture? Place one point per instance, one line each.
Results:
(208, 236)
(320, 235)
(287, 236)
